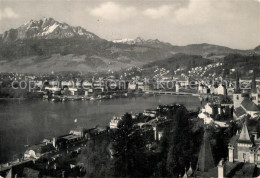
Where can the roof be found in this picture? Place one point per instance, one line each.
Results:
(239, 111)
(70, 137)
(78, 129)
(244, 135)
(249, 105)
(41, 148)
(233, 140)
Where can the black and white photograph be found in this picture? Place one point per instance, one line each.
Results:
(129, 88)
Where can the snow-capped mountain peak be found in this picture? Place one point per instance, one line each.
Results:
(46, 28)
(125, 41)
(142, 42)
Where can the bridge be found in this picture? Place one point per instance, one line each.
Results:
(170, 92)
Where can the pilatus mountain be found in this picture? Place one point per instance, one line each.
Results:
(47, 45)
(46, 28)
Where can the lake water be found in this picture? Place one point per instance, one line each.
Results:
(30, 121)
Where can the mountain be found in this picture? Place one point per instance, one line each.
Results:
(257, 49)
(46, 28)
(141, 42)
(209, 51)
(47, 45)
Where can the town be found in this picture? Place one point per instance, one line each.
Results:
(225, 131)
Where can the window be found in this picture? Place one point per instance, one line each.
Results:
(258, 157)
(244, 155)
(237, 97)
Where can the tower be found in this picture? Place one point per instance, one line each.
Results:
(253, 84)
(237, 96)
(237, 85)
(254, 94)
(244, 144)
(205, 160)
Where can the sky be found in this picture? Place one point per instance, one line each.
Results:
(231, 23)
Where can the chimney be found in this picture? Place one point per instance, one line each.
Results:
(221, 169)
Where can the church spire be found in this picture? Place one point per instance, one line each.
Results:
(237, 85)
(205, 160)
(253, 84)
(244, 135)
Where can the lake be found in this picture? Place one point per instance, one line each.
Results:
(27, 122)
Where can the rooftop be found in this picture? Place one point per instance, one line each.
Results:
(249, 105)
(70, 137)
(239, 111)
(244, 135)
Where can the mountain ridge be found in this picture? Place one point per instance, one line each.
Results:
(39, 45)
(46, 28)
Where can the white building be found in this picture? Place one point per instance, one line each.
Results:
(221, 90)
(114, 122)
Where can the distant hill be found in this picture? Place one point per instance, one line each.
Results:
(242, 63)
(257, 49)
(47, 45)
(208, 50)
(178, 61)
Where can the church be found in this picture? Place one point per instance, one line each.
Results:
(246, 103)
(245, 147)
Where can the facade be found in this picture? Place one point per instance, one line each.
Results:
(250, 108)
(115, 122)
(150, 112)
(222, 90)
(244, 147)
(38, 150)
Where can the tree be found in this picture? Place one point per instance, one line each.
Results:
(179, 154)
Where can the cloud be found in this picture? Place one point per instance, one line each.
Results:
(203, 12)
(197, 12)
(8, 13)
(114, 12)
(160, 12)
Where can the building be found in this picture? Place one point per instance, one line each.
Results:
(250, 108)
(150, 112)
(244, 147)
(245, 102)
(132, 86)
(115, 121)
(239, 113)
(36, 151)
(79, 131)
(221, 90)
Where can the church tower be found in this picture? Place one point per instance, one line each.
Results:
(237, 84)
(237, 96)
(244, 145)
(253, 84)
(254, 95)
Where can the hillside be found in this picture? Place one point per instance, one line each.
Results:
(48, 45)
(208, 50)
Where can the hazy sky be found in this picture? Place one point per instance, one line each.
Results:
(232, 23)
